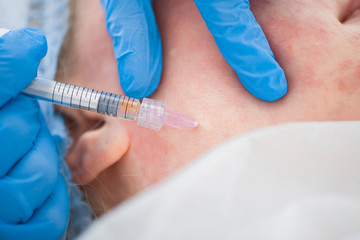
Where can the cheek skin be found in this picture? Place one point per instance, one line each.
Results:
(147, 151)
(164, 155)
(314, 52)
(291, 42)
(317, 54)
(347, 81)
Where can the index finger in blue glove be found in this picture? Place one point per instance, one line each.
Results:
(137, 45)
(244, 46)
(48, 222)
(20, 54)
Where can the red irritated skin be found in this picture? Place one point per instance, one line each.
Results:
(316, 42)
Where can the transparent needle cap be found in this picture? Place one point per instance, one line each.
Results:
(153, 114)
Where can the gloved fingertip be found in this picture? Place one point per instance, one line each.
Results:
(275, 95)
(274, 91)
(25, 43)
(36, 40)
(139, 90)
(139, 94)
(139, 79)
(21, 52)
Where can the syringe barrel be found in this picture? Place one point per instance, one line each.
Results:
(83, 98)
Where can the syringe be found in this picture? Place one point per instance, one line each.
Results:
(150, 113)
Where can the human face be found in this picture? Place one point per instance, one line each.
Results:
(315, 42)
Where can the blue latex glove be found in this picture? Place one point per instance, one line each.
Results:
(34, 202)
(137, 45)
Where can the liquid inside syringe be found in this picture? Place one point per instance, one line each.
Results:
(149, 113)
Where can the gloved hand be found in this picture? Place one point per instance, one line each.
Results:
(34, 202)
(137, 45)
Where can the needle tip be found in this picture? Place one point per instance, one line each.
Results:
(179, 120)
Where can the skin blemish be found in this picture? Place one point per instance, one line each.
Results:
(309, 77)
(349, 83)
(290, 47)
(354, 38)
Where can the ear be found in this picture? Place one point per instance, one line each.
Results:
(97, 149)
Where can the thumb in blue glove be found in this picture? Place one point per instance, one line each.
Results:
(20, 54)
(34, 201)
(137, 45)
